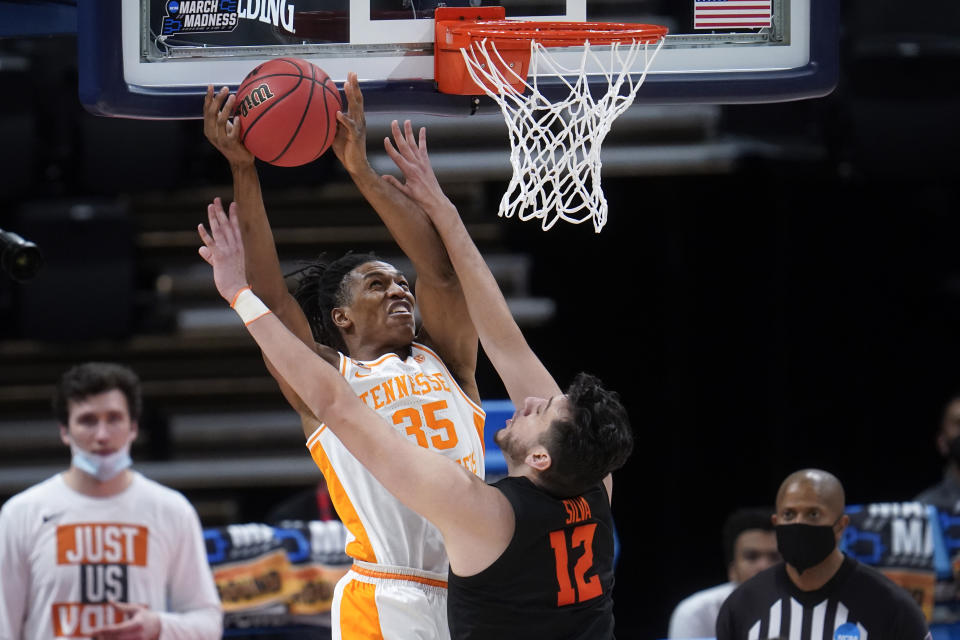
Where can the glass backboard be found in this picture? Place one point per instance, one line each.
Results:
(154, 58)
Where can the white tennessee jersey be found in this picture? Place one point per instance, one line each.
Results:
(419, 398)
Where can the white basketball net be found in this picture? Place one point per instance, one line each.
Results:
(555, 146)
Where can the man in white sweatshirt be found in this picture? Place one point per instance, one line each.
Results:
(99, 550)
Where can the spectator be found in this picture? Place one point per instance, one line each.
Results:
(817, 592)
(99, 550)
(945, 495)
(749, 546)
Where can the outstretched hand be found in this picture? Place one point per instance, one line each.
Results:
(219, 128)
(419, 181)
(350, 143)
(223, 250)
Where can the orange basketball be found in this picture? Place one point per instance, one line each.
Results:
(287, 111)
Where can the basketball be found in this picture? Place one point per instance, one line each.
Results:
(287, 111)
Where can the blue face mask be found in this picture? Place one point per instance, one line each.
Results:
(103, 468)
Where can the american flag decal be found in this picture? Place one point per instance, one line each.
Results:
(731, 14)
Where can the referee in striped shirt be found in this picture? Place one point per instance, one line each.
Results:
(817, 593)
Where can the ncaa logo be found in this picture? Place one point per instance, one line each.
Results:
(847, 631)
(173, 7)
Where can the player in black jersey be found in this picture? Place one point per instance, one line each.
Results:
(817, 593)
(532, 555)
(554, 579)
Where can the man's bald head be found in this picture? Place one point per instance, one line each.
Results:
(813, 499)
(812, 486)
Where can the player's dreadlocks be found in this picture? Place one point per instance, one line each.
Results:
(321, 287)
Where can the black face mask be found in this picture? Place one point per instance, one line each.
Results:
(805, 545)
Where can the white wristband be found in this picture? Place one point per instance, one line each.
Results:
(248, 306)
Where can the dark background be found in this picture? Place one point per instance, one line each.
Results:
(800, 311)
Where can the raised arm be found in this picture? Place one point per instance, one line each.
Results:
(411, 473)
(519, 367)
(262, 263)
(446, 321)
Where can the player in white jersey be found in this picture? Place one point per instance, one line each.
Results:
(358, 314)
(391, 545)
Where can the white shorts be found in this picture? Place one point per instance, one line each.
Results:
(381, 602)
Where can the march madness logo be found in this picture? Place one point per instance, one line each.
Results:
(213, 16)
(199, 16)
(102, 553)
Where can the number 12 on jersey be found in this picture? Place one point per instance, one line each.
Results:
(581, 536)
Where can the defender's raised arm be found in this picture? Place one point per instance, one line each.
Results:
(519, 367)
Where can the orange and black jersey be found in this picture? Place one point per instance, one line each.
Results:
(555, 578)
